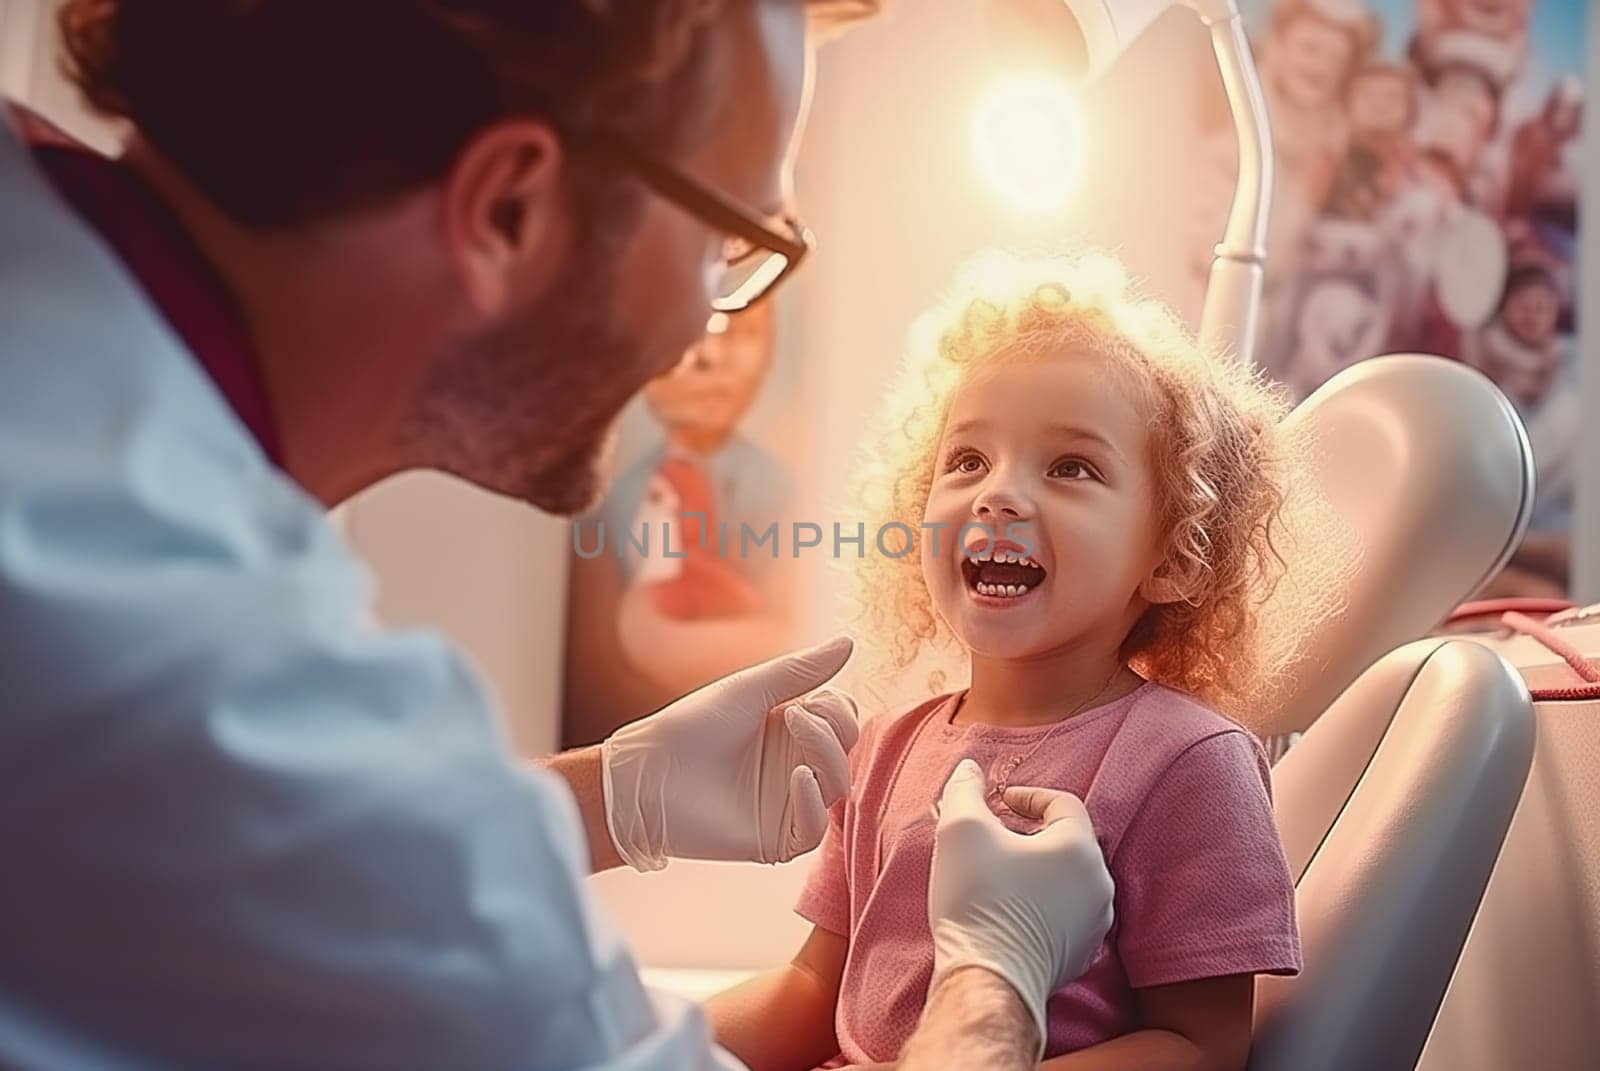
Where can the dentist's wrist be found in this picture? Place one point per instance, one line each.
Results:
(1024, 982)
(974, 1018)
(584, 774)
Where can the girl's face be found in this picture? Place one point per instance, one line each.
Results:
(1056, 451)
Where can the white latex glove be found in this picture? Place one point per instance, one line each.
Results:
(743, 770)
(1032, 908)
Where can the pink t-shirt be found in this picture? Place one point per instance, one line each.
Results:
(1180, 800)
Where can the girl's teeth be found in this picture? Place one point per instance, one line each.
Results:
(1007, 556)
(1002, 591)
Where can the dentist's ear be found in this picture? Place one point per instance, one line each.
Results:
(502, 203)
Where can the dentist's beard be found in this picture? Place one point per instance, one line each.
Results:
(528, 410)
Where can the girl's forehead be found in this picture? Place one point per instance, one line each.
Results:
(1024, 389)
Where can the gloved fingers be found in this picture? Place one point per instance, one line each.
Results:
(820, 750)
(1067, 828)
(808, 815)
(839, 710)
(760, 688)
(1047, 805)
(963, 795)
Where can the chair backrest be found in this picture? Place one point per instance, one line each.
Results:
(1393, 808)
(1430, 464)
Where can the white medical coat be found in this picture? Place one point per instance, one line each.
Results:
(238, 826)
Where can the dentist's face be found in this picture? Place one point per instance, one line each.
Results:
(1057, 448)
(528, 404)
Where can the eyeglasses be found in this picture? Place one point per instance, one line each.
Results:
(758, 251)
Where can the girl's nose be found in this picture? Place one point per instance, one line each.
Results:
(1003, 503)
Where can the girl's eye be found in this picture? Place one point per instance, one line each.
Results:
(966, 462)
(1074, 469)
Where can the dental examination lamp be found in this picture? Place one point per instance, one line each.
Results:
(1086, 37)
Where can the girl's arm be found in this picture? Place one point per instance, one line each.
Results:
(783, 1020)
(1189, 1026)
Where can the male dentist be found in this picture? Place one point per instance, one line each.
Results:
(240, 826)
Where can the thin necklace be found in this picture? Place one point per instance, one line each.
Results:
(1011, 765)
(1009, 769)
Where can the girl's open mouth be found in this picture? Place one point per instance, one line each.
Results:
(1001, 574)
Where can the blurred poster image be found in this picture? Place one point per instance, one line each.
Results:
(663, 597)
(1427, 202)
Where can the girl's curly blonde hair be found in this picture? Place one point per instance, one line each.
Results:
(1232, 496)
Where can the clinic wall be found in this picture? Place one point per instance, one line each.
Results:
(18, 46)
(30, 71)
(486, 572)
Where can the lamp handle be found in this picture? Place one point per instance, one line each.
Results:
(1232, 311)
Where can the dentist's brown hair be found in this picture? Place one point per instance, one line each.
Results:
(282, 111)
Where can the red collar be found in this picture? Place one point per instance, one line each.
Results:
(168, 266)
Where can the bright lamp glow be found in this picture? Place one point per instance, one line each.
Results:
(1028, 142)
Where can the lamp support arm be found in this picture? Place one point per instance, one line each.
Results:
(1232, 312)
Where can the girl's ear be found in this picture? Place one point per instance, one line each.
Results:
(1174, 580)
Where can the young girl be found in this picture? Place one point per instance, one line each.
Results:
(1100, 510)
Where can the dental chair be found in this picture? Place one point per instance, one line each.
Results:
(1449, 892)
(1431, 466)
(1393, 809)
(1394, 805)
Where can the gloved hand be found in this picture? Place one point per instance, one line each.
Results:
(742, 770)
(1033, 909)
